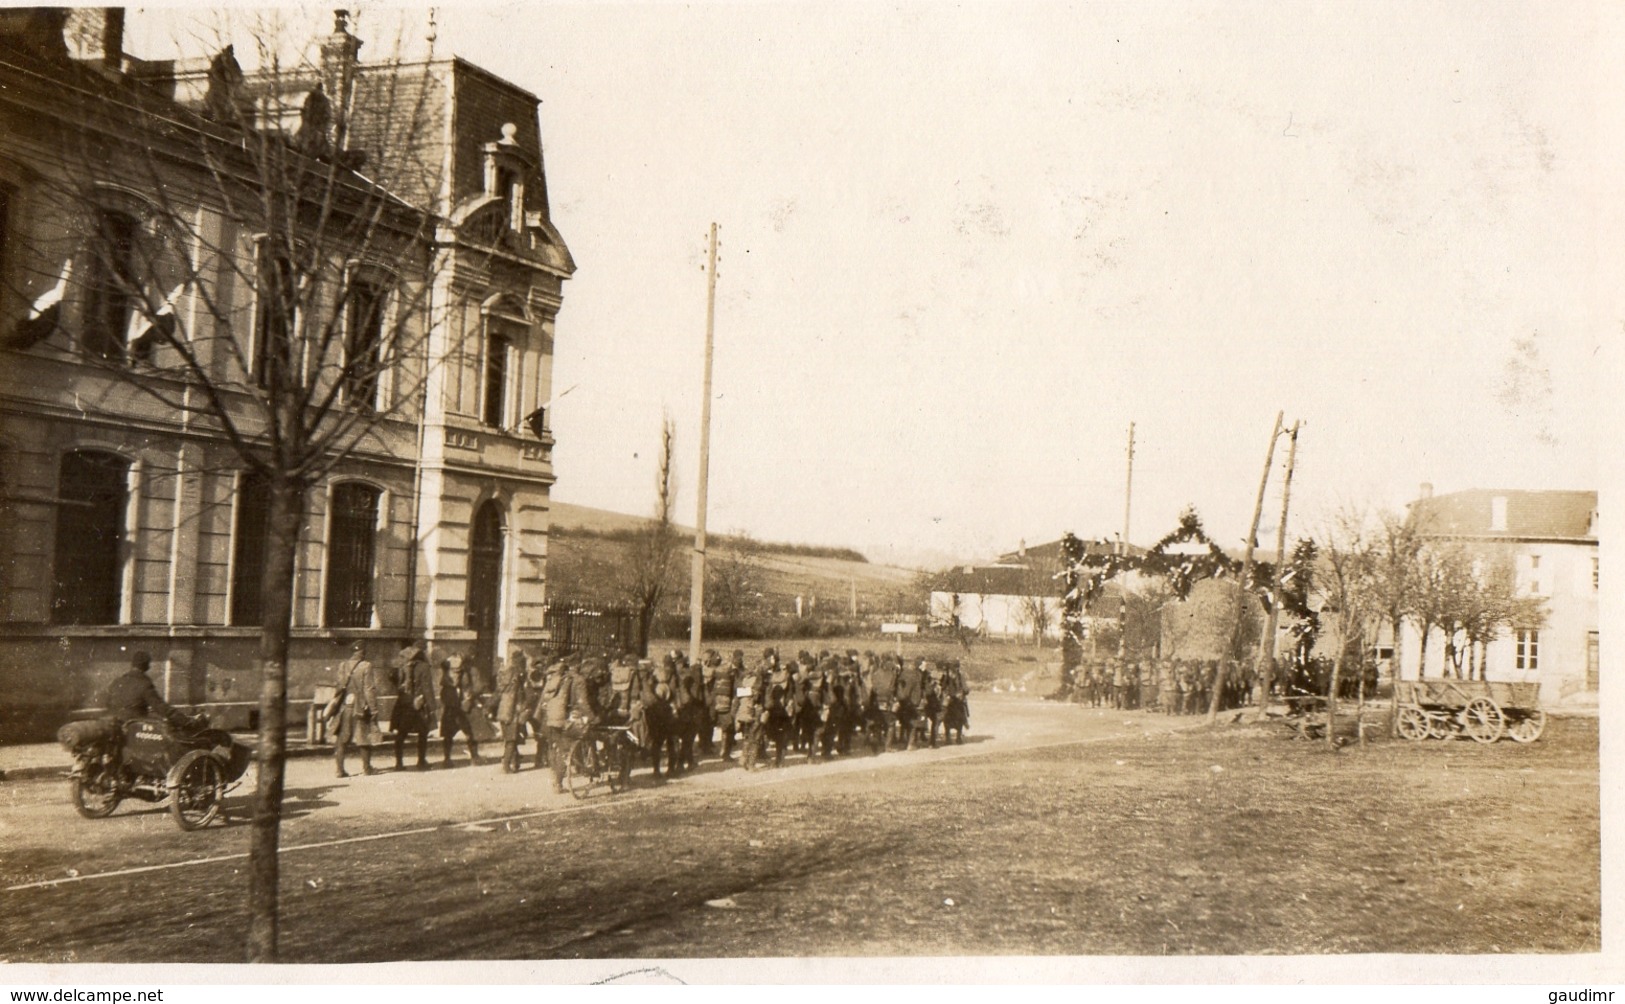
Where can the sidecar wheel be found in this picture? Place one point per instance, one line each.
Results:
(197, 785)
(93, 796)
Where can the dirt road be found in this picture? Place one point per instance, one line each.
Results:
(43, 840)
(1062, 830)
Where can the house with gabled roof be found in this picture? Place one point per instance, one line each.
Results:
(1551, 539)
(999, 600)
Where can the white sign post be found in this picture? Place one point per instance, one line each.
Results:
(899, 630)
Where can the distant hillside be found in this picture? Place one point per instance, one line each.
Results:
(590, 552)
(568, 517)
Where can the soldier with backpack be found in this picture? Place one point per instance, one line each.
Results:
(722, 699)
(513, 709)
(458, 692)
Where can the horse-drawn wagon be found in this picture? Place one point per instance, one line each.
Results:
(1482, 710)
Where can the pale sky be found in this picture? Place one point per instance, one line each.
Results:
(964, 246)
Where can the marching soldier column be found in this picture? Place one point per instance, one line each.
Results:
(824, 706)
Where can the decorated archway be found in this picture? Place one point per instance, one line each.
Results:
(1182, 558)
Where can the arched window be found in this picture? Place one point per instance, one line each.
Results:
(89, 568)
(351, 554)
(249, 542)
(484, 604)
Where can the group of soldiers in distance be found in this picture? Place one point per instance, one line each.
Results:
(1172, 686)
(676, 712)
(1185, 686)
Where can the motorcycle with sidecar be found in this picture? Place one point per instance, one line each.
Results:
(188, 763)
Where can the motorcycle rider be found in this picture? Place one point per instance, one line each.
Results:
(132, 695)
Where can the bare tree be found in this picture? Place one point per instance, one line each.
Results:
(655, 545)
(1446, 592)
(1345, 585)
(1484, 604)
(219, 251)
(1396, 542)
(1038, 606)
(1142, 617)
(733, 575)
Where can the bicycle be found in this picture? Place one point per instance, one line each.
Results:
(602, 757)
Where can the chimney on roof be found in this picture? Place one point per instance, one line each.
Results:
(1426, 491)
(96, 35)
(1021, 548)
(1498, 513)
(340, 55)
(113, 37)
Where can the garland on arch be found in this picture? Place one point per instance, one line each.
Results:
(1084, 575)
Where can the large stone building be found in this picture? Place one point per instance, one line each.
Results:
(127, 521)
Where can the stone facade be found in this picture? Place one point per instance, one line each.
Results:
(446, 496)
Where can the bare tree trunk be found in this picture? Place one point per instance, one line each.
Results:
(286, 519)
(1359, 722)
(1331, 700)
(1396, 625)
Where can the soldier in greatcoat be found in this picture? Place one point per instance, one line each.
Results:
(358, 710)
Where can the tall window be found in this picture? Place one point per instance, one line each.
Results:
(508, 189)
(1526, 654)
(89, 569)
(495, 410)
(363, 342)
(351, 552)
(110, 284)
(485, 567)
(248, 550)
(274, 313)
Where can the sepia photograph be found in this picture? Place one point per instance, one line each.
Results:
(806, 492)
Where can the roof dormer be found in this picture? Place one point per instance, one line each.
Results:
(506, 168)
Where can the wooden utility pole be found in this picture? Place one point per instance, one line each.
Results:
(1246, 565)
(1266, 644)
(1128, 490)
(696, 594)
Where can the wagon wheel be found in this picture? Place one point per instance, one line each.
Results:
(95, 790)
(196, 788)
(580, 768)
(1483, 720)
(1413, 724)
(1528, 728)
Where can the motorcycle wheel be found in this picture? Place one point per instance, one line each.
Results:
(94, 794)
(197, 787)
